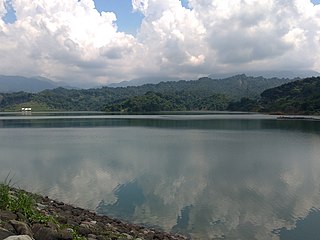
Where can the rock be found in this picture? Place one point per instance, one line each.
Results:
(66, 234)
(7, 215)
(86, 224)
(127, 236)
(46, 199)
(21, 228)
(77, 211)
(72, 222)
(36, 227)
(41, 206)
(87, 228)
(62, 219)
(52, 225)
(100, 237)
(84, 231)
(21, 217)
(4, 233)
(19, 237)
(46, 233)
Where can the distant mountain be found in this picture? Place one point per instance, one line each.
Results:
(142, 81)
(266, 74)
(205, 93)
(18, 83)
(270, 74)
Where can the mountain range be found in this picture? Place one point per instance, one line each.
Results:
(27, 84)
(202, 94)
(292, 74)
(37, 84)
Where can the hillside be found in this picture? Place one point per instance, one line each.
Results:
(292, 74)
(298, 97)
(143, 81)
(180, 101)
(204, 91)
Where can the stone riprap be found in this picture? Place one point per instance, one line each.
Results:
(69, 222)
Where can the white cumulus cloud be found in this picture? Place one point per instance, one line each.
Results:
(72, 41)
(2, 9)
(62, 40)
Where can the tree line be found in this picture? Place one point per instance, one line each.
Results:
(238, 93)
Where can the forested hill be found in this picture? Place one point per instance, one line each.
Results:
(298, 97)
(204, 92)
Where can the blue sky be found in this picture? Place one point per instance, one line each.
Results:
(10, 17)
(127, 20)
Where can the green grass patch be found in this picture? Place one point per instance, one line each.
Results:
(4, 196)
(16, 200)
(20, 201)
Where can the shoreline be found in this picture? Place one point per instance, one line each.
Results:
(60, 221)
(297, 117)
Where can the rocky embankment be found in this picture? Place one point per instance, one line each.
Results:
(59, 221)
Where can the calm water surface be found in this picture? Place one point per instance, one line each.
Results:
(215, 176)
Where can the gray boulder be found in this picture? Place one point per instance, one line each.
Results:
(7, 215)
(21, 228)
(46, 233)
(19, 237)
(4, 233)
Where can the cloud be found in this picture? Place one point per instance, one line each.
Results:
(256, 34)
(72, 41)
(2, 9)
(61, 40)
(174, 36)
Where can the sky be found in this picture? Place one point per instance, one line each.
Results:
(94, 42)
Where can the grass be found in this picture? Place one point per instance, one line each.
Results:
(16, 200)
(4, 196)
(5, 199)
(19, 201)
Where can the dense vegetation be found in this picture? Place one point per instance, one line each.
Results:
(238, 93)
(202, 94)
(245, 105)
(298, 97)
(180, 101)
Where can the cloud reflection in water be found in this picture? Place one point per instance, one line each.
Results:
(209, 183)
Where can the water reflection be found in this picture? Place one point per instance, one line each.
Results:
(231, 122)
(305, 229)
(211, 179)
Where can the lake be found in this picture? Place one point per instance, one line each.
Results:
(209, 176)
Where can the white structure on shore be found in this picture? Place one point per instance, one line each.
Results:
(26, 109)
